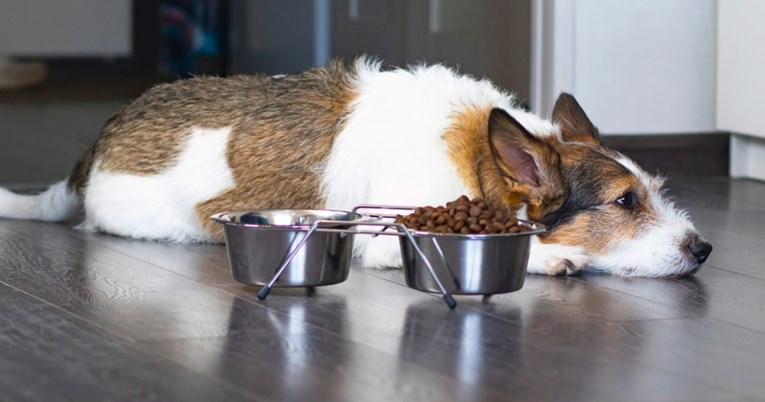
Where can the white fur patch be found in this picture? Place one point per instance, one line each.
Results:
(658, 249)
(162, 206)
(392, 152)
(651, 182)
(56, 203)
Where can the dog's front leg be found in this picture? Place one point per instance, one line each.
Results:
(556, 259)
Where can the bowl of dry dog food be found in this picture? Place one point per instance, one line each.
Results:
(473, 249)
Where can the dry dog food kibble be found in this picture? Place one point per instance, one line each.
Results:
(462, 215)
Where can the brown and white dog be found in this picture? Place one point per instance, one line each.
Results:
(348, 134)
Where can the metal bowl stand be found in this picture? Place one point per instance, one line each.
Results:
(348, 227)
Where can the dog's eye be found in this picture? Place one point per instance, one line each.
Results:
(627, 199)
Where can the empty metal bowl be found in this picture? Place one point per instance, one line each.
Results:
(258, 242)
(469, 264)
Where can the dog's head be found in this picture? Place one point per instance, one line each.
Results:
(593, 197)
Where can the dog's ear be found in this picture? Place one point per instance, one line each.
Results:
(574, 124)
(530, 166)
(519, 155)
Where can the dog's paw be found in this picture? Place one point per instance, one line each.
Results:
(557, 260)
(564, 267)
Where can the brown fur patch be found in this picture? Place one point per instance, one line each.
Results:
(573, 122)
(78, 179)
(467, 141)
(469, 147)
(145, 137)
(276, 153)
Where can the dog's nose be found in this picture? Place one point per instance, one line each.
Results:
(699, 249)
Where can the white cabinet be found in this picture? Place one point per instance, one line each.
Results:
(637, 67)
(741, 83)
(658, 67)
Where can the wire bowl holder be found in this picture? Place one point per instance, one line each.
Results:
(382, 219)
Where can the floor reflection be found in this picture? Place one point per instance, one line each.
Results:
(282, 352)
(688, 294)
(464, 343)
(148, 301)
(598, 330)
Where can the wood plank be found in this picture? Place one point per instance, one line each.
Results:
(696, 349)
(737, 253)
(737, 238)
(721, 295)
(47, 354)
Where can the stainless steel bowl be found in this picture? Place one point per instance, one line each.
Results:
(258, 242)
(469, 264)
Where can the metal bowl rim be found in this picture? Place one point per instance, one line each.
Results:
(220, 218)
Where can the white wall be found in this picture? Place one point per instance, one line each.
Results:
(66, 28)
(637, 67)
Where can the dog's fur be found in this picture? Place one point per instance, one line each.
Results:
(349, 134)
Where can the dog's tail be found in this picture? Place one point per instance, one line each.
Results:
(59, 202)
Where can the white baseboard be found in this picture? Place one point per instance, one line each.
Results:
(747, 157)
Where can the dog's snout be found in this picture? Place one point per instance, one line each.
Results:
(699, 249)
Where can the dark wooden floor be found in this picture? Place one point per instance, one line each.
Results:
(92, 317)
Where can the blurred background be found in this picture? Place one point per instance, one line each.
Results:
(673, 83)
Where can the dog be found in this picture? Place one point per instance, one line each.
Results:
(352, 133)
